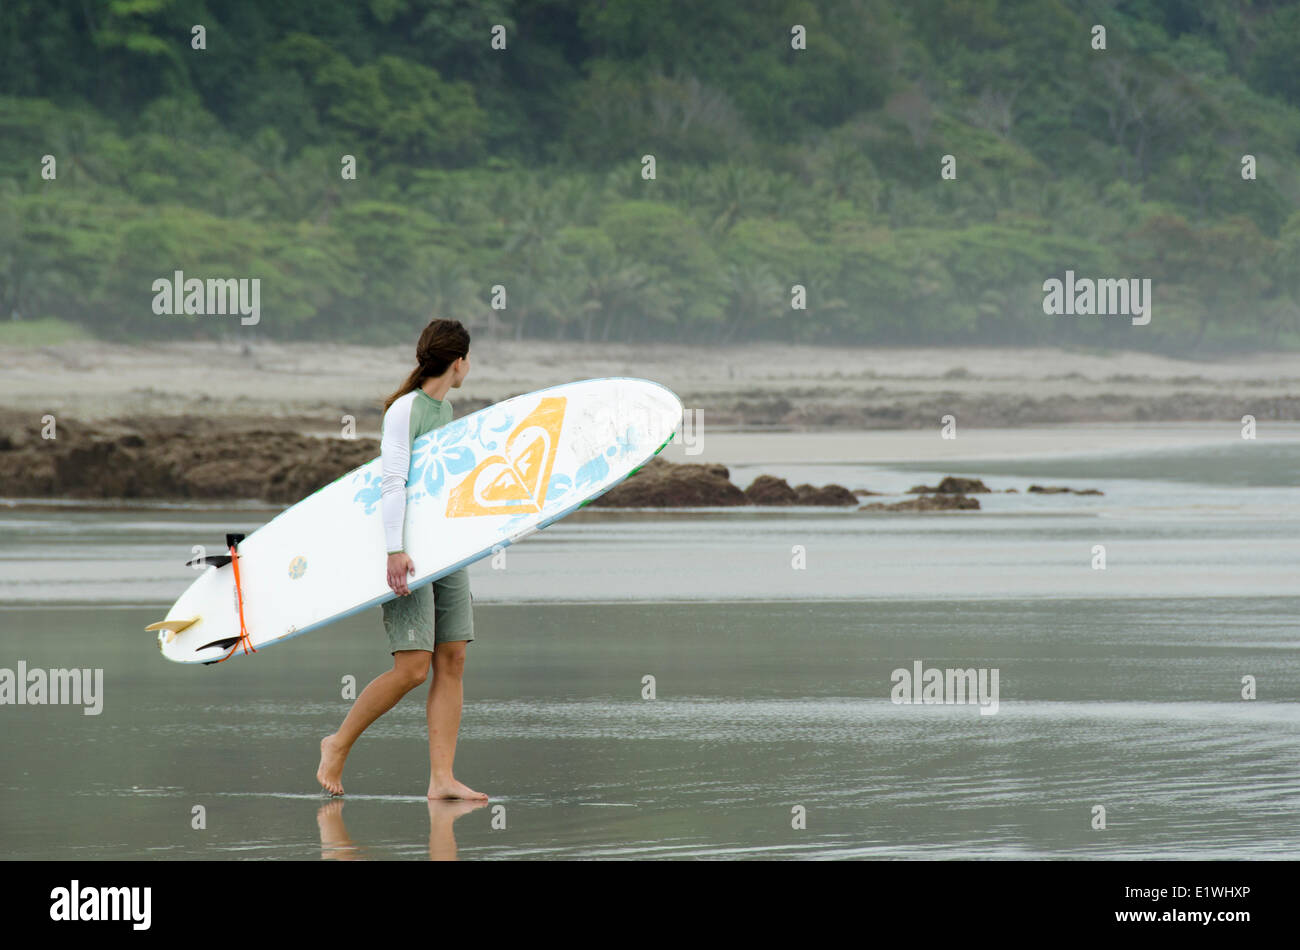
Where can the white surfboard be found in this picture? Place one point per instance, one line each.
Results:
(476, 484)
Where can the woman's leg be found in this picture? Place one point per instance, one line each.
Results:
(446, 694)
(410, 668)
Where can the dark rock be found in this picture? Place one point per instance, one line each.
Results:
(224, 478)
(770, 490)
(952, 486)
(1061, 490)
(661, 484)
(826, 496)
(103, 468)
(14, 438)
(168, 460)
(934, 502)
(314, 466)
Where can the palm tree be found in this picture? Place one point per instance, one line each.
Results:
(754, 295)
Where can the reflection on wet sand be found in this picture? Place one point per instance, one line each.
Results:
(337, 845)
(442, 813)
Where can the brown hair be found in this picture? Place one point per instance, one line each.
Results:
(441, 344)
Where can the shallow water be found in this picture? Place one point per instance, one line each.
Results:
(1119, 688)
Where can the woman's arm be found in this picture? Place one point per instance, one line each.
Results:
(395, 465)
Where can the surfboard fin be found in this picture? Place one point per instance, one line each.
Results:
(172, 627)
(223, 644)
(175, 626)
(214, 560)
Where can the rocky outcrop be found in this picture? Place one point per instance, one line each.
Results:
(180, 458)
(173, 463)
(660, 484)
(826, 496)
(952, 485)
(936, 502)
(770, 490)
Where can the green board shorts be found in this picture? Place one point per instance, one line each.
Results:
(441, 612)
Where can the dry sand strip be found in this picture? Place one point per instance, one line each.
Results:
(803, 387)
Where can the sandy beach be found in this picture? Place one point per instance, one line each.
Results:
(313, 385)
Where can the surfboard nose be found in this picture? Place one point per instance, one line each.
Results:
(668, 409)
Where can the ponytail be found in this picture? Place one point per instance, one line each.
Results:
(441, 344)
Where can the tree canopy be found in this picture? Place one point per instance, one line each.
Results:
(479, 167)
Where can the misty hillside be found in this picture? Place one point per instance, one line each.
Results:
(478, 167)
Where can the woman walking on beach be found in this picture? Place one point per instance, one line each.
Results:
(431, 627)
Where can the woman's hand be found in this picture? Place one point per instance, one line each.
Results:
(399, 568)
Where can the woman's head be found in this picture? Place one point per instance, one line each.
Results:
(442, 344)
(443, 349)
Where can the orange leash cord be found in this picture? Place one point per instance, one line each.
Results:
(244, 641)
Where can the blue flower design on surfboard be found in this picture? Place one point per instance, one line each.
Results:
(438, 454)
(434, 456)
(368, 494)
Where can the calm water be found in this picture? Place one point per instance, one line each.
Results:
(1118, 688)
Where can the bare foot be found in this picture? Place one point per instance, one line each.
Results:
(450, 788)
(330, 773)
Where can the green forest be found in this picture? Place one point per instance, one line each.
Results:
(479, 166)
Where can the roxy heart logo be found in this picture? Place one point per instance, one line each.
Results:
(514, 482)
